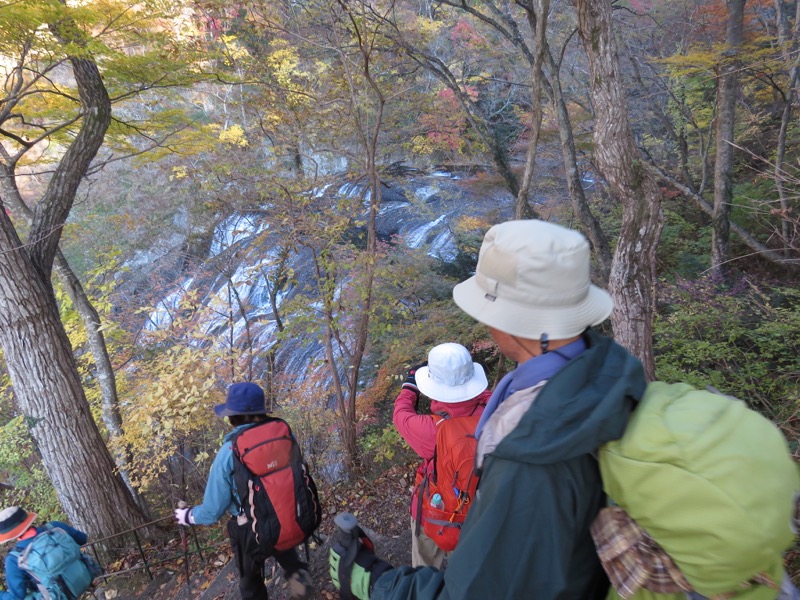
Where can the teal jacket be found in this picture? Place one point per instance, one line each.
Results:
(527, 534)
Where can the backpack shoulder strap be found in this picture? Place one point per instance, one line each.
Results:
(440, 417)
(238, 465)
(22, 555)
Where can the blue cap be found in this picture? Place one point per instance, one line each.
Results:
(243, 399)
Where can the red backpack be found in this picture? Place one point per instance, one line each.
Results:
(278, 497)
(452, 475)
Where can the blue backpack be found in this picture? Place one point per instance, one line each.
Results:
(55, 562)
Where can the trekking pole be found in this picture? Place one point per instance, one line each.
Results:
(185, 544)
(346, 526)
(345, 543)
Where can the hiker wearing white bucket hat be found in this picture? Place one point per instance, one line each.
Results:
(533, 280)
(457, 387)
(527, 532)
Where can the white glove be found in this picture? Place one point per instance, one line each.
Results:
(184, 516)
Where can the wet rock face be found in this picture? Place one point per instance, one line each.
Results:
(418, 210)
(237, 282)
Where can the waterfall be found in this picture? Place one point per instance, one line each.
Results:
(421, 212)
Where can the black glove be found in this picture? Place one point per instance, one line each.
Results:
(354, 568)
(411, 380)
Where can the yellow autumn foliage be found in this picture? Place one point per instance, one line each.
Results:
(286, 67)
(170, 412)
(234, 136)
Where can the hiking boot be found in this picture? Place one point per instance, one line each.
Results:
(300, 585)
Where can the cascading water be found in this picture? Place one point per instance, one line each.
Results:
(420, 212)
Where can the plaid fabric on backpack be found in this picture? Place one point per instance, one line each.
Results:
(708, 481)
(56, 564)
(279, 499)
(451, 475)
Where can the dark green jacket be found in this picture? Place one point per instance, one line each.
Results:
(527, 535)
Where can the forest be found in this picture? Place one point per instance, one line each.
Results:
(286, 192)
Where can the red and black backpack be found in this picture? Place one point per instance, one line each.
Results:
(452, 475)
(279, 499)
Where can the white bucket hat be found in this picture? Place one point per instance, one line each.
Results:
(451, 376)
(532, 278)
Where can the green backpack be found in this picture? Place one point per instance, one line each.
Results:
(712, 482)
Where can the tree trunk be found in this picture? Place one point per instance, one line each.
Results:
(367, 123)
(726, 120)
(43, 372)
(275, 285)
(538, 21)
(104, 370)
(49, 394)
(478, 121)
(633, 270)
(502, 22)
(580, 205)
(788, 40)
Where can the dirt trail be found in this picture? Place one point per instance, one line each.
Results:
(382, 510)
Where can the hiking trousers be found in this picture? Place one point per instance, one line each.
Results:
(424, 551)
(251, 567)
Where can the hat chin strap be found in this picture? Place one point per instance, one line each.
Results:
(543, 343)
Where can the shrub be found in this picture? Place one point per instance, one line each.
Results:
(21, 466)
(743, 339)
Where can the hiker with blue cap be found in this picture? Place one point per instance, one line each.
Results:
(243, 407)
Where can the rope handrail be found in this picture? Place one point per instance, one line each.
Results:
(161, 561)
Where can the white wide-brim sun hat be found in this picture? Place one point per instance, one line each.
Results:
(533, 279)
(450, 375)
